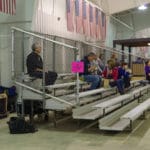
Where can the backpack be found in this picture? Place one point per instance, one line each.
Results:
(18, 125)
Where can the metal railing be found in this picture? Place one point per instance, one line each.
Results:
(43, 39)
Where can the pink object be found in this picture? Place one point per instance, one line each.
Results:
(77, 67)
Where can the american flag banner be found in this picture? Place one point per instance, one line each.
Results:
(70, 10)
(92, 21)
(1, 5)
(78, 14)
(8, 6)
(98, 24)
(103, 16)
(86, 27)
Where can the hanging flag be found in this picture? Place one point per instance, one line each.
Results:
(8, 6)
(12, 9)
(92, 21)
(86, 28)
(0, 5)
(78, 14)
(98, 24)
(70, 9)
(103, 16)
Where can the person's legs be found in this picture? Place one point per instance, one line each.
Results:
(94, 79)
(148, 78)
(50, 77)
(112, 83)
(37, 74)
(120, 86)
(126, 82)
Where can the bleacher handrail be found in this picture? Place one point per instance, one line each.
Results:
(45, 38)
(40, 92)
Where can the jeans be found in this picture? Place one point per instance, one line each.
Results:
(94, 79)
(50, 77)
(126, 82)
(119, 83)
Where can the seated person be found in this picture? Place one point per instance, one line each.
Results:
(147, 70)
(124, 73)
(35, 66)
(115, 59)
(111, 73)
(89, 70)
(101, 61)
(97, 63)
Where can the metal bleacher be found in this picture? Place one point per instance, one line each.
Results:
(124, 117)
(116, 100)
(90, 112)
(93, 96)
(111, 111)
(93, 104)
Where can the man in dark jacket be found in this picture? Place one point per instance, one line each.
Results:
(35, 66)
(95, 80)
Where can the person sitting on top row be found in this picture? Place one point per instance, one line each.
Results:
(111, 72)
(35, 66)
(89, 71)
(125, 74)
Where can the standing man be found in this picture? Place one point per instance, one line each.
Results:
(35, 66)
(88, 75)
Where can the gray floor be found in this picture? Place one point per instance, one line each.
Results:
(67, 136)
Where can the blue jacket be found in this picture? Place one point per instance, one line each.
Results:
(122, 73)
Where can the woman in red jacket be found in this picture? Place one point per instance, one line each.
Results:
(111, 72)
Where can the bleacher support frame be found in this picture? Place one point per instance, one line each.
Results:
(43, 39)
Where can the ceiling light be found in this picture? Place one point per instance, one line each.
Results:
(148, 44)
(142, 7)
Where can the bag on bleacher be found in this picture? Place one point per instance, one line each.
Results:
(18, 125)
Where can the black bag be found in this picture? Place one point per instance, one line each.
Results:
(18, 125)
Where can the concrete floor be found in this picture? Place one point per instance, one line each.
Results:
(67, 136)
